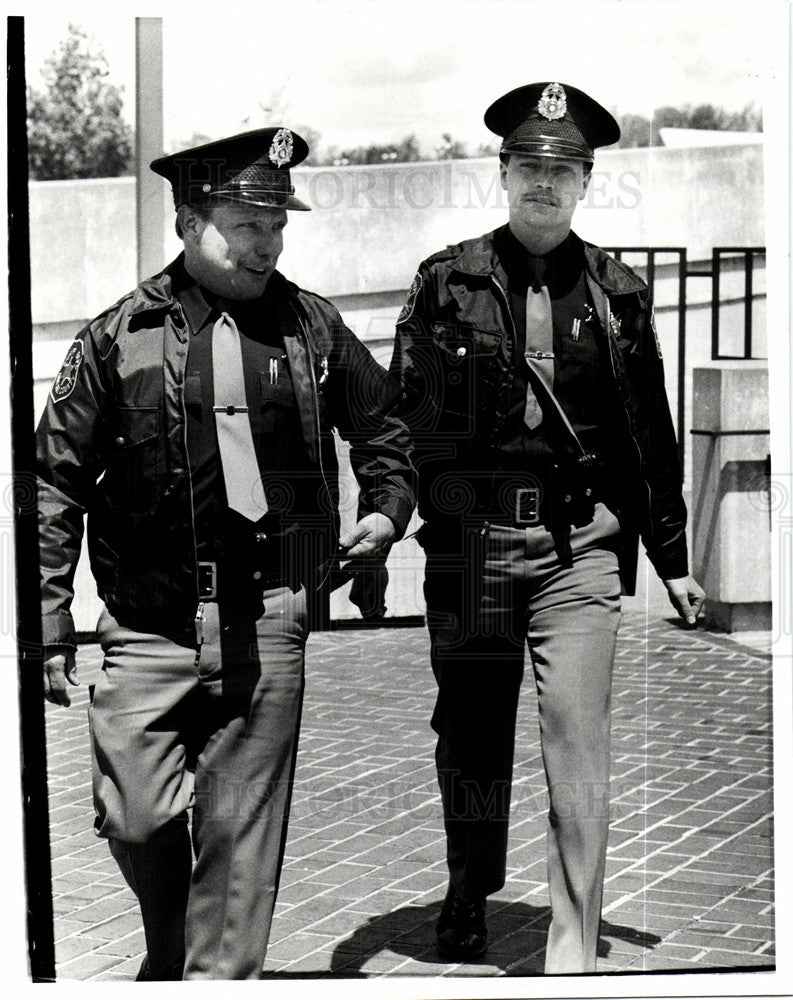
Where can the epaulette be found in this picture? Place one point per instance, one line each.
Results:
(449, 253)
(610, 268)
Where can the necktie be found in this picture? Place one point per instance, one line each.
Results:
(241, 475)
(539, 348)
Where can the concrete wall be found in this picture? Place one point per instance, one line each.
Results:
(82, 246)
(370, 226)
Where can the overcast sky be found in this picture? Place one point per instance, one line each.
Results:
(376, 71)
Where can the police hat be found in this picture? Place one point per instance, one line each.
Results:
(252, 167)
(551, 119)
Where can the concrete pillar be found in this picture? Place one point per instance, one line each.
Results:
(149, 136)
(730, 510)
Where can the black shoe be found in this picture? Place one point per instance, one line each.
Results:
(148, 975)
(461, 928)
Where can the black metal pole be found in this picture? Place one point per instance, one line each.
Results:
(715, 353)
(748, 268)
(682, 305)
(38, 871)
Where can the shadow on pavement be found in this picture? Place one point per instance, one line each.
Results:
(517, 935)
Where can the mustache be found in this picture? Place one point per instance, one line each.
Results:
(542, 199)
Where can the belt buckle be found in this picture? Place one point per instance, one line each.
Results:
(208, 581)
(527, 505)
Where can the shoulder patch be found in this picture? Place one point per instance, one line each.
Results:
(67, 377)
(410, 305)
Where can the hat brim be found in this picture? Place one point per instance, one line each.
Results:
(264, 199)
(558, 150)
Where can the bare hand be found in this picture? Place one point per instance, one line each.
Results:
(687, 597)
(371, 536)
(58, 669)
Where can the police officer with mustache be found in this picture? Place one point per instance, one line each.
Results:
(534, 389)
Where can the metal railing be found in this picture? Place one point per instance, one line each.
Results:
(748, 254)
(683, 272)
(735, 258)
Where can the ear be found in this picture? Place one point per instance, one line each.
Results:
(585, 184)
(189, 222)
(502, 169)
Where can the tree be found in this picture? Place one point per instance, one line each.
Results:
(636, 130)
(75, 128)
(669, 116)
(450, 149)
(705, 116)
(488, 149)
(639, 131)
(405, 151)
(750, 119)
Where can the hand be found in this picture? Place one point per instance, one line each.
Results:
(58, 669)
(373, 535)
(368, 589)
(687, 597)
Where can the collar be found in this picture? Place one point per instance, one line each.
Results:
(480, 258)
(196, 301)
(560, 268)
(160, 292)
(483, 255)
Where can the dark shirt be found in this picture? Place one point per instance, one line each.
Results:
(272, 410)
(580, 361)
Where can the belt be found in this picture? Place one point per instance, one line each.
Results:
(235, 582)
(529, 506)
(207, 581)
(524, 508)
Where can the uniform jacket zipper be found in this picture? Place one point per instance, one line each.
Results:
(183, 410)
(315, 398)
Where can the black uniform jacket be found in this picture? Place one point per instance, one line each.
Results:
(111, 443)
(454, 358)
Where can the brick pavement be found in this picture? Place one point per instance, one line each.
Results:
(689, 880)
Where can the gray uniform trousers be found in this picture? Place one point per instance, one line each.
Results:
(569, 616)
(212, 731)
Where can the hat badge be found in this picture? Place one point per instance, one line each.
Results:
(281, 148)
(553, 103)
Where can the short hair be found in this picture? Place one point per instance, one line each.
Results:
(202, 208)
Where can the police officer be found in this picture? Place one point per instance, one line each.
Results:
(534, 390)
(193, 422)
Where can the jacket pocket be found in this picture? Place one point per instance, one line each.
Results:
(136, 477)
(275, 387)
(466, 369)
